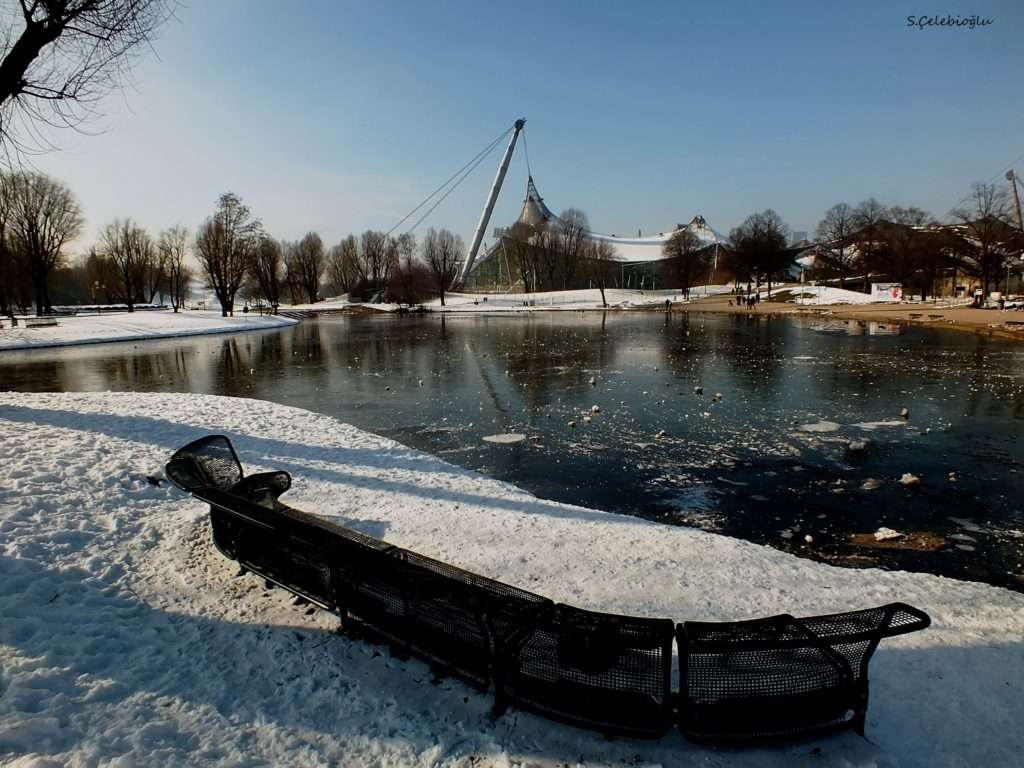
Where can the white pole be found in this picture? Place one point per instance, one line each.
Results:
(492, 197)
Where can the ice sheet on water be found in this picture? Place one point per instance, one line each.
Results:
(820, 426)
(873, 425)
(505, 439)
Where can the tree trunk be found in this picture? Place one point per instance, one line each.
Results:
(35, 37)
(603, 302)
(46, 295)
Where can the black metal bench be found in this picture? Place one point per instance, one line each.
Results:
(782, 676)
(766, 678)
(598, 670)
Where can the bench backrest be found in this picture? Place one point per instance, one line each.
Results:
(598, 670)
(782, 676)
(208, 461)
(450, 617)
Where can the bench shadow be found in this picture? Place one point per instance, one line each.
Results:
(86, 649)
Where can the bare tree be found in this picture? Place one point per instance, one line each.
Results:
(835, 234)
(411, 279)
(58, 58)
(983, 218)
(154, 274)
(523, 256)
(378, 253)
(601, 260)
(130, 250)
(442, 251)
(173, 248)
(307, 264)
(43, 216)
(905, 242)
(405, 247)
(224, 246)
(290, 254)
(406, 281)
(868, 217)
(344, 267)
(570, 231)
(686, 259)
(549, 255)
(7, 266)
(758, 250)
(100, 275)
(266, 270)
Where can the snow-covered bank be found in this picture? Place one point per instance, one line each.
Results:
(131, 326)
(587, 298)
(127, 640)
(824, 294)
(584, 298)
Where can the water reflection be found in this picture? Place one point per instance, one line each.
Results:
(763, 453)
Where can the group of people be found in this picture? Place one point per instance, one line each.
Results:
(749, 301)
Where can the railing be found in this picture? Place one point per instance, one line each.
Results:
(768, 678)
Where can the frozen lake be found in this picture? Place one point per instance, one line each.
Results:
(796, 430)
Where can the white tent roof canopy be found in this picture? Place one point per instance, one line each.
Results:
(628, 249)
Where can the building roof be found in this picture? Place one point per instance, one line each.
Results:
(535, 214)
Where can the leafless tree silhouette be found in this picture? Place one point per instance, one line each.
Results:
(225, 245)
(308, 256)
(42, 217)
(686, 260)
(173, 247)
(131, 252)
(835, 233)
(59, 58)
(601, 260)
(442, 251)
(983, 218)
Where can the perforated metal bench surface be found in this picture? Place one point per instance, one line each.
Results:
(782, 676)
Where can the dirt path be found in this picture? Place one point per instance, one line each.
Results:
(1004, 324)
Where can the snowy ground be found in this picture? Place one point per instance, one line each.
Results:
(824, 294)
(130, 326)
(127, 640)
(590, 298)
(586, 298)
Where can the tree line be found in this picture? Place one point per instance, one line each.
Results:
(911, 246)
(238, 257)
(558, 255)
(40, 217)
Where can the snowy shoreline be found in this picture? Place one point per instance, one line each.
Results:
(127, 638)
(131, 326)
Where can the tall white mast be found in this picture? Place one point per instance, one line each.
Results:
(1012, 178)
(492, 197)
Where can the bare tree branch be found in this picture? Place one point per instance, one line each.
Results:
(59, 58)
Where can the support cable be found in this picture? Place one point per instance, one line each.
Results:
(474, 162)
(526, 152)
(479, 159)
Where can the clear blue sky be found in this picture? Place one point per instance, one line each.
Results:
(339, 116)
